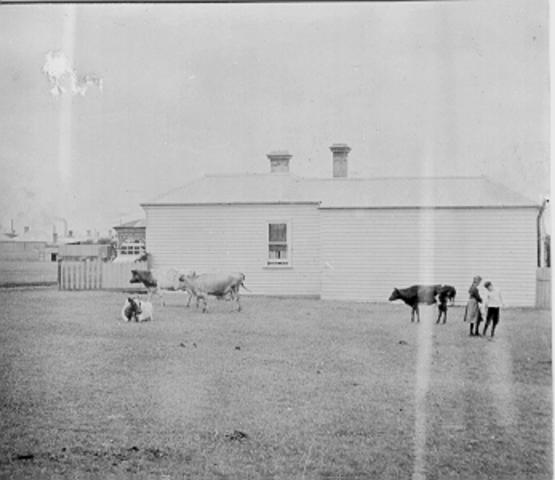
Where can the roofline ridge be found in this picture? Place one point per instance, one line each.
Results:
(397, 177)
(171, 190)
(509, 189)
(251, 174)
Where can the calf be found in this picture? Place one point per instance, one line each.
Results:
(219, 285)
(136, 310)
(445, 293)
(415, 295)
(156, 282)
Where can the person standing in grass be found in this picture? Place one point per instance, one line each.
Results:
(492, 305)
(472, 312)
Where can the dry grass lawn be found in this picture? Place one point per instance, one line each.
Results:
(322, 390)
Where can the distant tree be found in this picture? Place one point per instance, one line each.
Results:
(547, 250)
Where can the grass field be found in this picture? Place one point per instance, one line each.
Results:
(322, 390)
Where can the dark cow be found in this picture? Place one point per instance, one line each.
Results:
(415, 295)
(220, 285)
(445, 293)
(158, 281)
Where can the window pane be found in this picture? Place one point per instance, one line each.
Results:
(277, 252)
(278, 232)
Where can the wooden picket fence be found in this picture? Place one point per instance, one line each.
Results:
(543, 288)
(97, 275)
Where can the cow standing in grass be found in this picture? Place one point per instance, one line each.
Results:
(415, 295)
(158, 281)
(220, 285)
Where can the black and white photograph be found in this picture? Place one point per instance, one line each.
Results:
(276, 241)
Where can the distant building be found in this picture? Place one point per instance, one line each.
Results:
(38, 245)
(29, 246)
(84, 251)
(348, 238)
(130, 241)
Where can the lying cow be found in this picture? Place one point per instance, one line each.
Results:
(158, 281)
(219, 285)
(136, 310)
(445, 293)
(415, 295)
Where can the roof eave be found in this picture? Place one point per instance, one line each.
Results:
(197, 204)
(424, 207)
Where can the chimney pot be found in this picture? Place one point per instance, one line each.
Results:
(279, 161)
(340, 153)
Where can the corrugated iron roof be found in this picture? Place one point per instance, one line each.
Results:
(381, 192)
(141, 222)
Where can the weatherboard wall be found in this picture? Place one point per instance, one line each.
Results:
(368, 252)
(232, 238)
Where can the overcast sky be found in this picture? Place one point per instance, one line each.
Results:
(415, 88)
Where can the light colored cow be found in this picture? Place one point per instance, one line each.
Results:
(220, 285)
(136, 309)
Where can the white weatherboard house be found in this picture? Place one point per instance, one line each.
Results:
(347, 238)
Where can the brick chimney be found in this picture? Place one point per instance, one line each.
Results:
(279, 161)
(340, 164)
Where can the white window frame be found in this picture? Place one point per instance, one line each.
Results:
(131, 249)
(271, 263)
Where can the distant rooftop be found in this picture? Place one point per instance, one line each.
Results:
(132, 224)
(27, 236)
(379, 192)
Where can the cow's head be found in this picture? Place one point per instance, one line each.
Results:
(141, 276)
(395, 295)
(451, 294)
(135, 277)
(133, 308)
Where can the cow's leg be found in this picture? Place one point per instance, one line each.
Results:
(190, 293)
(238, 302)
(202, 296)
(417, 313)
(445, 315)
(412, 315)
